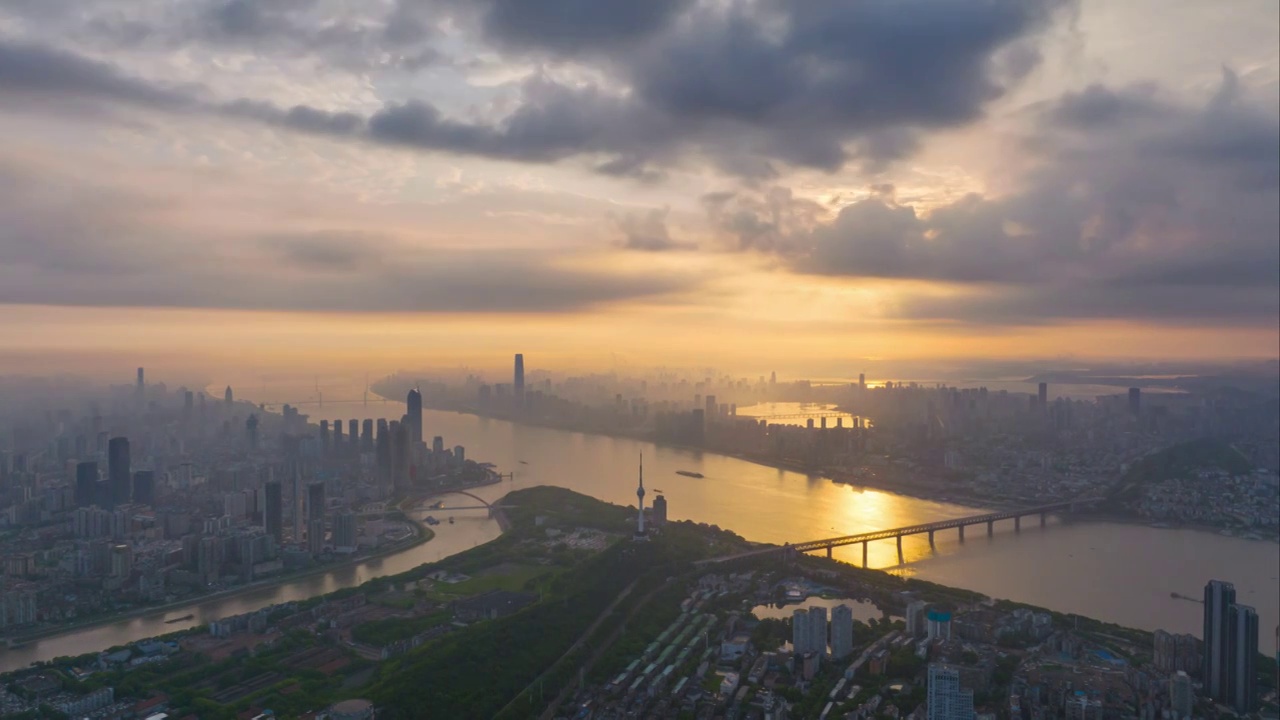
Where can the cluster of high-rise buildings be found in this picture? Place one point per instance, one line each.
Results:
(1230, 672)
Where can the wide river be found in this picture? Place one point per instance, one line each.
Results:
(1117, 572)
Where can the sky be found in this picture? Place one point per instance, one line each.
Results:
(747, 183)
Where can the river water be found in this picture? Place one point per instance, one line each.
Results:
(1121, 573)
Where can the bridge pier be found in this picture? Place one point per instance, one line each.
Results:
(864, 555)
(900, 560)
(1017, 523)
(961, 533)
(828, 552)
(931, 539)
(991, 528)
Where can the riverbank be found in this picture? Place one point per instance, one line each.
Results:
(422, 534)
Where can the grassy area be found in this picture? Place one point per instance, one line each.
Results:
(515, 578)
(379, 633)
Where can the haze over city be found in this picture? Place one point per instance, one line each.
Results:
(621, 359)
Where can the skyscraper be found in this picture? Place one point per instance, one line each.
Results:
(273, 511)
(118, 474)
(1219, 596)
(841, 632)
(353, 438)
(315, 501)
(800, 635)
(86, 483)
(324, 437)
(366, 435)
(1242, 658)
(383, 453)
(144, 487)
(818, 630)
(399, 441)
(228, 397)
(414, 404)
(140, 392)
(946, 699)
(251, 431)
(1135, 401)
(518, 380)
(659, 510)
(1042, 396)
(337, 438)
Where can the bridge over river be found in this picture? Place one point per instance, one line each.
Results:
(989, 519)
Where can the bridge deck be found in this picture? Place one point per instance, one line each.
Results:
(911, 529)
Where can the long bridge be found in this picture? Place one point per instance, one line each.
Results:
(989, 519)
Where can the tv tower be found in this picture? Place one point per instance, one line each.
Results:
(640, 500)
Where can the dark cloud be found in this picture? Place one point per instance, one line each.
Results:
(1153, 209)
(29, 71)
(569, 26)
(93, 246)
(647, 231)
(750, 87)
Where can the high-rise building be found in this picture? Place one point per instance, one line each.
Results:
(144, 487)
(228, 397)
(315, 501)
(324, 437)
(710, 407)
(400, 460)
(86, 483)
(437, 444)
(140, 392)
(118, 474)
(366, 435)
(1135, 401)
(518, 379)
(862, 381)
(659, 515)
(917, 622)
(946, 699)
(188, 404)
(818, 630)
(1182, 697)
(353, 438)
(1042, 397)
(414, 405)
(800, 635)
(1219, 596)
(383, 453)
(841, 632)
(344, 531)
(251, 431)
(273, 510)
(315, 536)
(338, 449)
(1242, 658)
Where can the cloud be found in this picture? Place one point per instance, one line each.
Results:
(90, 246)
(748, 86)
(1141, 207)
(31, 71)
(647, 231)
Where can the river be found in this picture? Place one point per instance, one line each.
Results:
(1118, 572)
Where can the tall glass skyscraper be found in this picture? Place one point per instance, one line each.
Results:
(414, 403)
(1218, 597)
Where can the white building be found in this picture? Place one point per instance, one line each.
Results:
(947, 700)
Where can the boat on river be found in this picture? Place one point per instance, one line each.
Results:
(690, 473)
(184, 618)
